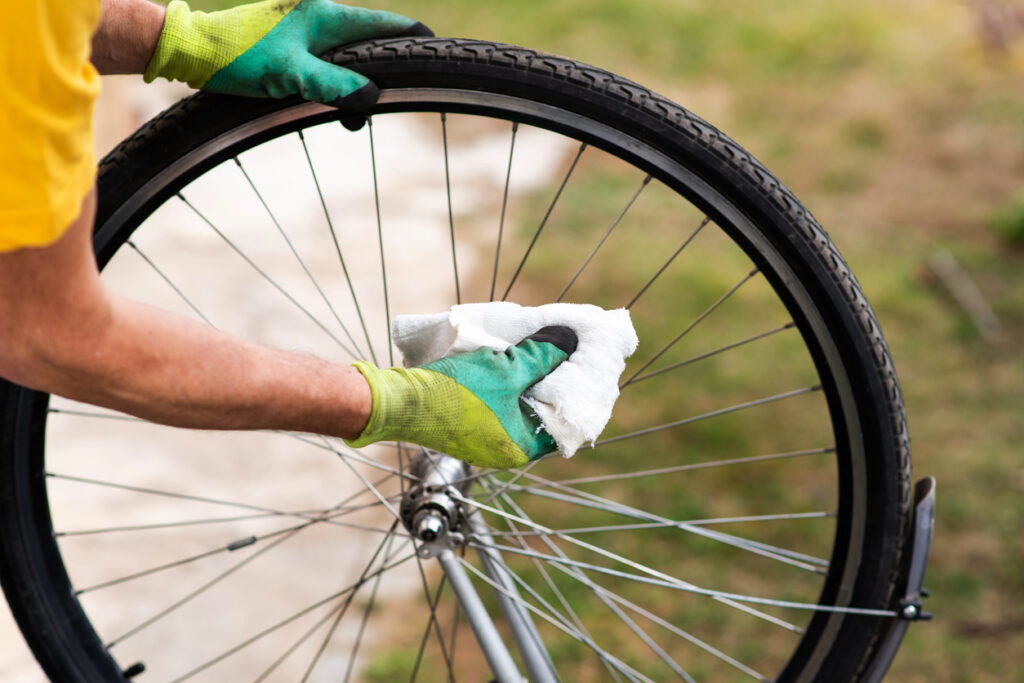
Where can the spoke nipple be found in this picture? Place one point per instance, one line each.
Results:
(241, 543)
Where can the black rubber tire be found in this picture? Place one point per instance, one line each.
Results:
(31, 568)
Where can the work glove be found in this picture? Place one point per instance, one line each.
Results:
(470, 405)
(271, 49)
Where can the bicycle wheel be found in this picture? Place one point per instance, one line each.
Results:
(743, 516)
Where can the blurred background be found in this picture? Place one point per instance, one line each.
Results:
(901, 127)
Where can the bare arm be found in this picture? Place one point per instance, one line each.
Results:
(63, 332)
(127, 36)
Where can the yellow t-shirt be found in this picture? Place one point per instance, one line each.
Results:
(47, 91)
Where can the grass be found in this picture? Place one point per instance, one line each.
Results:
(903, 136)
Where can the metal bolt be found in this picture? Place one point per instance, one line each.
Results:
(429, 527)
(910, 611)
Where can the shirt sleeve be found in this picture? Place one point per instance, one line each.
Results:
(47, 91)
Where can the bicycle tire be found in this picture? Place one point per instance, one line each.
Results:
(864, 398)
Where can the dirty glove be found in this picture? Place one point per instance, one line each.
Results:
(468, 405)
(271, 48)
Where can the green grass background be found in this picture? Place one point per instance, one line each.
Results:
(904, 134)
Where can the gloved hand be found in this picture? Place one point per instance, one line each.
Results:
(468, 405)
(271, 48)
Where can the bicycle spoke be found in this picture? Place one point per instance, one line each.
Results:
(559, 596)
(380, 240)
(692, 466)
(99, 416)
(451, 216)
(670, 524)
(544, 221)
(273, 283)
(707, 416)
(348, 602)
(173, 494)
(456, 612)
(709, 354)
(301, 640)
(337, 249)
(291, 247)
(386, 502)
(654, 575)
(194, 498)
(227, 548)
(621, 666)
(524, 586)
(521, 472)
(656, 578)
(332, 520)
(605, 595)
(634, 627)
(172, 525)
(671, 258)
(367, 611)
(783, 555)
(504, 205)
(203, 588)
(432, 626)
(547, 577)
(319, 623)
(547, 534)
(163, 276)
(703, 316)
(349, 453)
(604, 237)
(330, 634)
(281, 624)
(668, 626)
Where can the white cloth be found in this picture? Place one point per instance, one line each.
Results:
(574, 402)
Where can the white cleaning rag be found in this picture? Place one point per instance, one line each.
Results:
(574, 402)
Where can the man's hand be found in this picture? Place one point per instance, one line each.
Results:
(469, 405)
(271, 49)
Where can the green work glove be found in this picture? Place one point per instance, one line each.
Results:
(468, 406)
(271, 48)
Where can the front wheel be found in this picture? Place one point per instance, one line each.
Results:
(743, 516)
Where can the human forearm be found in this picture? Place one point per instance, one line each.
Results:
(127, 35)
(156, 365)
(61, 331)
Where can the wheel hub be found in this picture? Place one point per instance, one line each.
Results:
(428, 509)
